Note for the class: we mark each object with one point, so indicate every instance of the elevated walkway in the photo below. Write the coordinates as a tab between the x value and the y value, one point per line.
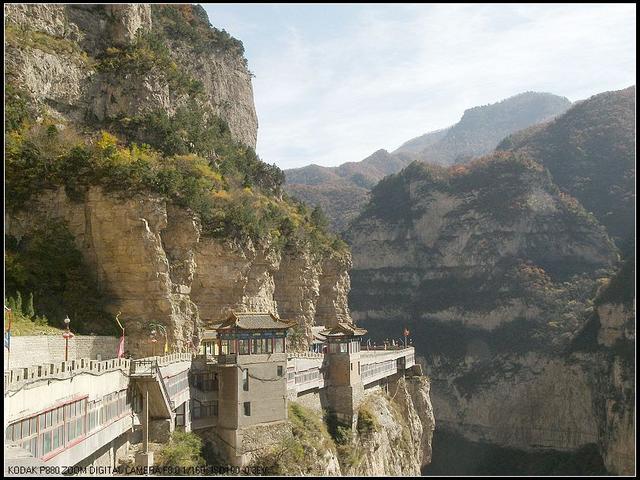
146	375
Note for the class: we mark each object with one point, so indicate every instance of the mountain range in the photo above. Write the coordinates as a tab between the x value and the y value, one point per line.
342	191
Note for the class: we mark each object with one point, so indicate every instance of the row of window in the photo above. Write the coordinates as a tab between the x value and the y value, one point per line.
103	411
256	346
349	347
204	409
206	382
56	428
307	376
376	368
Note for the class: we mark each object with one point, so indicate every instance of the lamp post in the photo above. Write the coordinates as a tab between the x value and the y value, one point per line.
67	335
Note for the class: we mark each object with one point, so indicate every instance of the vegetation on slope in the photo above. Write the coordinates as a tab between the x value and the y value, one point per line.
187	156
190	23
590	153
302	452
46	268
24	320
495	185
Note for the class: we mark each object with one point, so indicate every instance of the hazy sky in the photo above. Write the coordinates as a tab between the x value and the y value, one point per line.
334	83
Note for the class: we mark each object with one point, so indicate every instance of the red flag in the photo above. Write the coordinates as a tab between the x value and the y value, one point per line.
121	347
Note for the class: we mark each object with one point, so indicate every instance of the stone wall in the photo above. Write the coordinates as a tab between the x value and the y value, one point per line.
36	350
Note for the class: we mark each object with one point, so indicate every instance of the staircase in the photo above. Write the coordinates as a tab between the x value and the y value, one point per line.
146	374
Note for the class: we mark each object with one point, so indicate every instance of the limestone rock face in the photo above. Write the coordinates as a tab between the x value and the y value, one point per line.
610	371
151	260
334	290
614	324
492	269
127	20
61	70
401	443
541	402
419	390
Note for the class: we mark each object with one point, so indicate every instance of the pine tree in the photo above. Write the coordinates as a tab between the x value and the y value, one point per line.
18	303
30	311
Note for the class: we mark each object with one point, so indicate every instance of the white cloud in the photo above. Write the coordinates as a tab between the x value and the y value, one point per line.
389	73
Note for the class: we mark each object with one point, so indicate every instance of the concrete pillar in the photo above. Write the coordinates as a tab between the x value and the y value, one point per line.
145	458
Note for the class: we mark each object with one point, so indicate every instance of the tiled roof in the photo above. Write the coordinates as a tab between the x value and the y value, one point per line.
317	333
209	334
344	329
254	321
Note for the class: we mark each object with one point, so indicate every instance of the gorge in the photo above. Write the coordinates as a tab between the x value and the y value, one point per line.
504	244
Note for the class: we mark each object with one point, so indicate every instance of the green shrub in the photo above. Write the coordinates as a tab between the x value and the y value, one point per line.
148	54
183	450
367	422
18	109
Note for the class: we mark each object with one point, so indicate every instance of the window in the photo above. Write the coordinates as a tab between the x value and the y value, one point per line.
204	410
247	409
228	346
245	380
343	348
262	345
278	345
280	370
243	346
179	422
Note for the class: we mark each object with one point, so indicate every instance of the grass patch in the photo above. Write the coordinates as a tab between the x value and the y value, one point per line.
22	325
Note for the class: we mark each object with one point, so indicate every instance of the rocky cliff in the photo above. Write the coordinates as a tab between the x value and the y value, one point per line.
494	267
392	437
605	351
154	265
62	56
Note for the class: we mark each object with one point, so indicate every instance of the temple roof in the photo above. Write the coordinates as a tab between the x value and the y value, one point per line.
344	329
254	321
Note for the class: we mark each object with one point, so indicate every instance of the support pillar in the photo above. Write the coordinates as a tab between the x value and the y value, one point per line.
145	458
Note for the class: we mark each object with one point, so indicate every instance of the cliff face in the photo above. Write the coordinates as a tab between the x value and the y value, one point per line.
590	152
605	351
494	268
481	246
153	264
57	54
393	436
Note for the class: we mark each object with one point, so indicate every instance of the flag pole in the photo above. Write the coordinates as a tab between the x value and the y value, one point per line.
8	336
120	352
